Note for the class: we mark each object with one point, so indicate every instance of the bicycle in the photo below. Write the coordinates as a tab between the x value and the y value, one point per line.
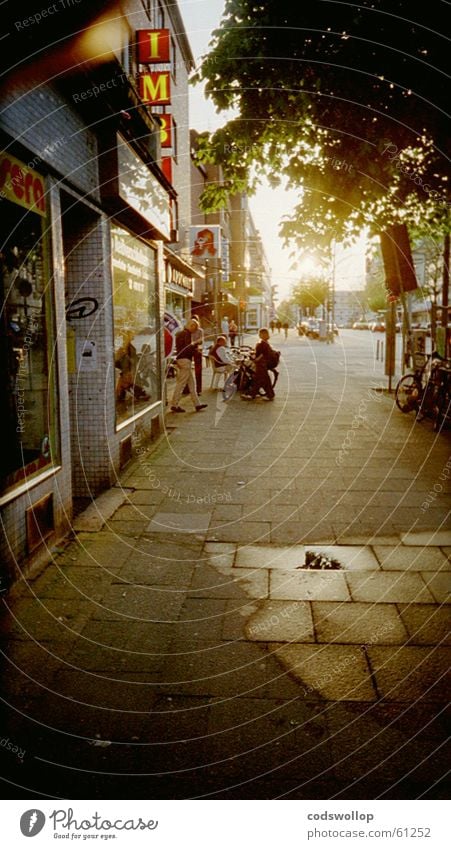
427	391
242	377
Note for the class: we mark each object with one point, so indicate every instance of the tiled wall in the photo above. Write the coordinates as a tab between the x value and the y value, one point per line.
53	133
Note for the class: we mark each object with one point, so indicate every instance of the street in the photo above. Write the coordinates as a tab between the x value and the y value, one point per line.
172	647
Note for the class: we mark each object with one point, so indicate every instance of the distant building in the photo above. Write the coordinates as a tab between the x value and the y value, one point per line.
347	307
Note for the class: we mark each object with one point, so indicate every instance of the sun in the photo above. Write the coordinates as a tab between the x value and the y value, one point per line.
307	265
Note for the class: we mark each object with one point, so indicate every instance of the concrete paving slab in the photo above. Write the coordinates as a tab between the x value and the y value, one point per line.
351	557
102	508
363	624
411	558
269	557
208	582
411	672
423	538
184	523
333	672
345	538
241	532
153	604
281	622
428	624
308	586
388	587
235	618
439	585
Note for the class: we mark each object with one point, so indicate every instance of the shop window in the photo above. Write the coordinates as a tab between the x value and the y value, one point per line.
136	324
27	341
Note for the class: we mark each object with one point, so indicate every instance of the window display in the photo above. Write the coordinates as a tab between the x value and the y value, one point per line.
136	345
27	380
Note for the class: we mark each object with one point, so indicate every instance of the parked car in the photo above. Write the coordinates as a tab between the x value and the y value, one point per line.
312	330
377	326
332	328
360	325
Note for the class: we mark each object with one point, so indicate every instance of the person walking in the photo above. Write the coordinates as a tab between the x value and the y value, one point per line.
272	325
184	376
225	327
278	325
285	328
233	330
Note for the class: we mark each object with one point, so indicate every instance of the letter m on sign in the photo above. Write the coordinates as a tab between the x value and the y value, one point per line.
153	46
155	88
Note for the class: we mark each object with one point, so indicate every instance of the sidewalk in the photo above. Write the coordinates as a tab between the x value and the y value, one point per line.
174	648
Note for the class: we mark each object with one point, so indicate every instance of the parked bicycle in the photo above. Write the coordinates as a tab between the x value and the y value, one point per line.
427	391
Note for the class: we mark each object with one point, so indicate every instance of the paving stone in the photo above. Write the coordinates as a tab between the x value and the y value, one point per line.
200	619
119	700
439	585
411	558
228	669
297	533
269	557
411	672
150	638
155	574
247	532
351	558
381	744
358	623
334	672
281	622
153	604
426	623
238	584
343	538
104	506
187	523
388	587
425	538
308	586
235	618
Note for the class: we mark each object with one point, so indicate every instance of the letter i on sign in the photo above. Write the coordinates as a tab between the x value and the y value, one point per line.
153	46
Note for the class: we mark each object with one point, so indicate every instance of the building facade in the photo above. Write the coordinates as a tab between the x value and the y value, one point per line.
89	238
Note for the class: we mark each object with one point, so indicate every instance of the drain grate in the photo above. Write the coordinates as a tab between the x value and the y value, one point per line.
319	560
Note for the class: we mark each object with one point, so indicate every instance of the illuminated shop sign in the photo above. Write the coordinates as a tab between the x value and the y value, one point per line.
154	46
155	88
166	130
154	84
21	184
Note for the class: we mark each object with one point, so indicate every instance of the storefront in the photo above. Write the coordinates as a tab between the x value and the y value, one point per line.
136	324
180	278
27	375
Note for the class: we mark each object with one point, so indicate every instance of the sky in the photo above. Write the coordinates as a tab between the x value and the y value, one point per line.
268	205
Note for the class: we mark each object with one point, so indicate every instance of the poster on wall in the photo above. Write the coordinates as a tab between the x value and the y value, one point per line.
205	242
171	326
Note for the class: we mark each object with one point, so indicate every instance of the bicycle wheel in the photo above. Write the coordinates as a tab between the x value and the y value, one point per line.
443	411
408	393
230	387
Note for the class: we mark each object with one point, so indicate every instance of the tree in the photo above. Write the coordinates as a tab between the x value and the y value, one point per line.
310	293
345	102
